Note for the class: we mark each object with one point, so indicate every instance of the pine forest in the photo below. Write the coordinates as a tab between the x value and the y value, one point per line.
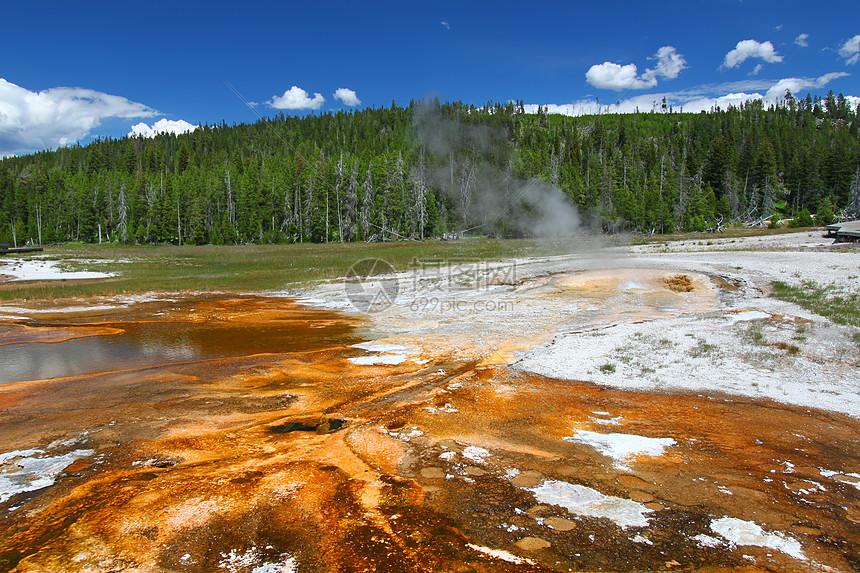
434	169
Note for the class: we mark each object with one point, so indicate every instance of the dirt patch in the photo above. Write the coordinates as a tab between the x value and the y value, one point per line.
726	283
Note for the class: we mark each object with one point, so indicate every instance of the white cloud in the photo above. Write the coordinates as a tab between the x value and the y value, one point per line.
778	90
612	76
31	121
702	98
297	98
347	96
646	103
800	40
163	125
757	70
850	50
669	62
446	24
723	102
822	81
787	84
726	87
746	49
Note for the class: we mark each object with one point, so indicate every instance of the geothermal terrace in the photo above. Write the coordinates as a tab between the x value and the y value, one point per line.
621	409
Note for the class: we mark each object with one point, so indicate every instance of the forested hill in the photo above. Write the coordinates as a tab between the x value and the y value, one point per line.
430	169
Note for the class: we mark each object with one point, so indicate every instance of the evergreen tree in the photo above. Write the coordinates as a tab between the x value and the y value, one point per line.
376	173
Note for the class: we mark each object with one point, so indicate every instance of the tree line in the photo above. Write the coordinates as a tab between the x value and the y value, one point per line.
430	169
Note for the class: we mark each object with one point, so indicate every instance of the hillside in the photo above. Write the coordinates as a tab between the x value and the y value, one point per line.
430	169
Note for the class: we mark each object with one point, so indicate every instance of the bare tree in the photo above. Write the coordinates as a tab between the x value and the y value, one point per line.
730	192
854	197
419	183
466	180
337	185
288	211
350	204
367	203
231	208
122	215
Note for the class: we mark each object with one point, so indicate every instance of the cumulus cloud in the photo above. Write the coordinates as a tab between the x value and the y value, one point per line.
176	127
757	70
297	98
612	76
746	49
800	40
669	63
850	50
347	96
32	121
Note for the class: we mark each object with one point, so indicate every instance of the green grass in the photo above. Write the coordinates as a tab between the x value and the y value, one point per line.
755	335
249	268
790	348
607	368
839	306
701	349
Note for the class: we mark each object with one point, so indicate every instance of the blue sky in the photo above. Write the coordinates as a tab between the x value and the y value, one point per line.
165	63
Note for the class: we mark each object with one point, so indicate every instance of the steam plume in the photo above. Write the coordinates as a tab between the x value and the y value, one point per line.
478	173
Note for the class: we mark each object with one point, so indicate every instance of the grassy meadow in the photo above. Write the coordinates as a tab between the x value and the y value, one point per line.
250	268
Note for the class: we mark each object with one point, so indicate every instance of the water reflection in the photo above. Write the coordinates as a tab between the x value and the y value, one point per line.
200	333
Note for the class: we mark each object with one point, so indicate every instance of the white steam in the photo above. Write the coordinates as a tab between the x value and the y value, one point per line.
477	174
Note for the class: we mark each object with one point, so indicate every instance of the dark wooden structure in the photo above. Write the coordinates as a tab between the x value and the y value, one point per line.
847	232
5	249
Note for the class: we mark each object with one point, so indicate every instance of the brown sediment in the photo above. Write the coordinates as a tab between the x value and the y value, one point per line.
257	458
730	284
14	333
678	283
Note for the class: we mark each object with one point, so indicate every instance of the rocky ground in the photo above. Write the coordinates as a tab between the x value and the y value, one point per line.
688	323
616	409
613	317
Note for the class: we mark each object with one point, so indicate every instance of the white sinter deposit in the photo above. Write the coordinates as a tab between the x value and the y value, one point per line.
30	470
623	448
588	502
39	269
608	316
